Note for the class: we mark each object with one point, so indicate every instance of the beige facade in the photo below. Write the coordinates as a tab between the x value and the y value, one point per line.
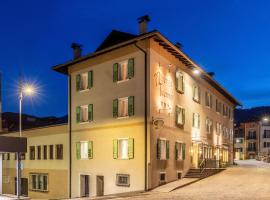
161	150
54	168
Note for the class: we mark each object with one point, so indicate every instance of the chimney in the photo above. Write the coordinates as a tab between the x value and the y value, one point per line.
77	50
178	45
143	21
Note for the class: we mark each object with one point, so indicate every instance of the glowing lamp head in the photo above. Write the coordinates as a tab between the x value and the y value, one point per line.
265	119
196	72
28	90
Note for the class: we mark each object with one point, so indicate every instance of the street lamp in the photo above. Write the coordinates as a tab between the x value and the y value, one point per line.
25	90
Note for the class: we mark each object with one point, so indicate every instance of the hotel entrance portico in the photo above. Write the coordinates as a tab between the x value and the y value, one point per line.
200	151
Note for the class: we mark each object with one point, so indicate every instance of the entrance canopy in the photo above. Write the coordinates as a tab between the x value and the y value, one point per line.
13	144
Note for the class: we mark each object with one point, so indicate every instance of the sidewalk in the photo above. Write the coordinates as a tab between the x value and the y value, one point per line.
175	185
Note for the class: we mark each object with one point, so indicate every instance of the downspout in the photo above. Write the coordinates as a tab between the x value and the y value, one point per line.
70	143
145	115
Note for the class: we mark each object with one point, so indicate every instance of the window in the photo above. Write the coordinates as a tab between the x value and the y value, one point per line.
180	87
196	120
123	148
209	125
180	151
51	152
266	134
208	99
218	128
32	153
123	180
84	81
179	175
39	182
218	106
180	116
163	147
39	152
123	107
84	150
84	113
8	156
196	93
22	156
59	152
45	152
162	176
266	144
123	70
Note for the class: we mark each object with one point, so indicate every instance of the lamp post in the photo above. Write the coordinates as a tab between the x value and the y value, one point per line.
27	90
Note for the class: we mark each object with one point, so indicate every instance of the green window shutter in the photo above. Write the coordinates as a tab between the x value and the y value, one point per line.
130	148
90	149
78	150
130	67
199	94
193	120
78	114
90	112
90	79
206	98
183	115
176	151
176	114
131	105
115	72
78	82
183	151
199	121
158	149
176	81
115	108
115	149
211	101
167	149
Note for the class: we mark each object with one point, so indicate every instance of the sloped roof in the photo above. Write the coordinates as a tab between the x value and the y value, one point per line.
115	37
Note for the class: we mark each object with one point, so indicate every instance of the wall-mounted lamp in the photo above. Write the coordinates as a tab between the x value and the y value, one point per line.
196	71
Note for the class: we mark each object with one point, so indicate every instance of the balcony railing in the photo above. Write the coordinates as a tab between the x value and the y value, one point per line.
251	137
251	149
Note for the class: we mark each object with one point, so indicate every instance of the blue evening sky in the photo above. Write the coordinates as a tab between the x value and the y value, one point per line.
229	37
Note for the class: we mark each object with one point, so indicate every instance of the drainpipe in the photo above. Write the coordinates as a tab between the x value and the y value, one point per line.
70	143
145	115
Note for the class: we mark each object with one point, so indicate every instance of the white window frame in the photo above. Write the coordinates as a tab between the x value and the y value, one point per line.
120	155
120	66
120	101
180	79
123	184
84	108
84	86
84	147
182	114
209	99
196	93
180	150
209	125
196	120
163	150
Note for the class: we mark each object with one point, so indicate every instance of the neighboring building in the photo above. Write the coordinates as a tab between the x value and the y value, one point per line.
142	113
252	131
45	166
239	142
265	138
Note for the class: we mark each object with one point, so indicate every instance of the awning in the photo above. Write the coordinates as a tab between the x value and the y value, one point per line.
13	144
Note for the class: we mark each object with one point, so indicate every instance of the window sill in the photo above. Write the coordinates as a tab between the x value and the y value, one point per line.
195	100
84	90
125	117
41	191
84	122
180	126
180	91
122	81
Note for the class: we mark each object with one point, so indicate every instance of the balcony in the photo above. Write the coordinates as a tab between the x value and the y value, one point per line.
251	149
251	137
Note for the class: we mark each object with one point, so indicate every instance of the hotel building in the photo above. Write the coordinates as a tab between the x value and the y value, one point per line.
142	113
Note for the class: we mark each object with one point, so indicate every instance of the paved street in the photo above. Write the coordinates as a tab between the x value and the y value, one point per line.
247	181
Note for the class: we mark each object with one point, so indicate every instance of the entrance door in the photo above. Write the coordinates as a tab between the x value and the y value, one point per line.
195	155
100	185
85	185
24	186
